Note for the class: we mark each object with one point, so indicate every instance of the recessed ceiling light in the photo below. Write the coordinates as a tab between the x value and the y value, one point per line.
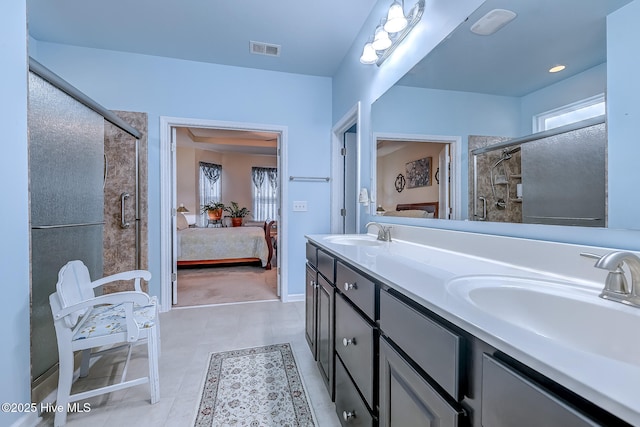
492	22
557	68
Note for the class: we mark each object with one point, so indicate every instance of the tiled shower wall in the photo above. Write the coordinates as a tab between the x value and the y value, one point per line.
119	243
511	168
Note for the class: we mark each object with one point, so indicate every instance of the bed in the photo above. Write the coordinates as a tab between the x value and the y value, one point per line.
225	245
415	210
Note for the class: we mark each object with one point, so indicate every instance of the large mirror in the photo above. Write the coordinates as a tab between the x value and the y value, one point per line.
475	91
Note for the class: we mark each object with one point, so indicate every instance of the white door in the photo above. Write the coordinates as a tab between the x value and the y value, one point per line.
443	187
174	228
350	192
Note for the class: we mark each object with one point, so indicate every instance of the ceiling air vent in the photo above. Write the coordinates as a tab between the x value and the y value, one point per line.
260	48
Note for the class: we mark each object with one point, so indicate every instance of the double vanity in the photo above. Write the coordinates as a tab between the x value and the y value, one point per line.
438	327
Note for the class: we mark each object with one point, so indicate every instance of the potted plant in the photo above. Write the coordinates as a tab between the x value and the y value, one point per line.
236	213
213	210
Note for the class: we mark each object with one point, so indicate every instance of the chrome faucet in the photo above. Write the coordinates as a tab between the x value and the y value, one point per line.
384	233
615	287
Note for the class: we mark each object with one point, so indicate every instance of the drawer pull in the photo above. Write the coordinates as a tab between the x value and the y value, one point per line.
347	341
348	415
348	286
312	284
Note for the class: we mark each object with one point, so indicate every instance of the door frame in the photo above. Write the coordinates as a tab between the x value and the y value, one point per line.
168	204
352	117
455	145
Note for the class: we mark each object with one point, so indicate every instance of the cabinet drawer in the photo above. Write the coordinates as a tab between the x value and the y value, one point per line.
350	408
436	349
407	399
510	399
360	290
326	265
312	255
354	345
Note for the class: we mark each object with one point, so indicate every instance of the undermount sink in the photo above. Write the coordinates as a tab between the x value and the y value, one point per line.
567	314
355	240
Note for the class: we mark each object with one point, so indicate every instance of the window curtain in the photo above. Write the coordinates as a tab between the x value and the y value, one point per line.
209	187
265	193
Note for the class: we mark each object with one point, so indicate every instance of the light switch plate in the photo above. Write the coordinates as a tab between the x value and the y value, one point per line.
300	206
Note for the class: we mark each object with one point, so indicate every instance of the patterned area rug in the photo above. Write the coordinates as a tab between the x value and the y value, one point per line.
258	386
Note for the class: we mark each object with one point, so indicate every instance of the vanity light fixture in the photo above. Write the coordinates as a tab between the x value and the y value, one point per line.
389	34
381	40
396	21
369	55
557	68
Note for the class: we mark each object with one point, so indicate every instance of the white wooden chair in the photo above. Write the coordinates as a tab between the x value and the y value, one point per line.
84	322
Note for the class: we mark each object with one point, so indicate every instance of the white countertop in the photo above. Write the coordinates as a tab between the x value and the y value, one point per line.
423	272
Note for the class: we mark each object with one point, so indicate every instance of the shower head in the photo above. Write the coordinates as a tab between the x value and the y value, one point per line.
506	154
509	152
514	150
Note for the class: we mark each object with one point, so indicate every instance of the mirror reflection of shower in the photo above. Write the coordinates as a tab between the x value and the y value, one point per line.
499	175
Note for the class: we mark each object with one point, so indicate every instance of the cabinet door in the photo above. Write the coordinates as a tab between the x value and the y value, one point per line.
406	399
310	309
325	331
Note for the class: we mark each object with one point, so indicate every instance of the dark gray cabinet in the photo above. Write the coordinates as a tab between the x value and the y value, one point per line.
357	288
351	409
407	399
511	399
355	347
319	312
388	361
311	296
429	394
325	331
434	347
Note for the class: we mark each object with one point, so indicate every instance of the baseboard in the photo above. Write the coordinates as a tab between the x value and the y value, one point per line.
294	298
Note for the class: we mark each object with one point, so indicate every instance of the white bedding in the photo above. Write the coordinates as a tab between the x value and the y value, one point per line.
200	244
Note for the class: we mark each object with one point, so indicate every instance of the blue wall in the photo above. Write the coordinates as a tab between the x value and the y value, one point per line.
177	88
589	83
14	227
623	116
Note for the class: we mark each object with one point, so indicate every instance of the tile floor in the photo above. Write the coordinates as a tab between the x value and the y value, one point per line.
189	335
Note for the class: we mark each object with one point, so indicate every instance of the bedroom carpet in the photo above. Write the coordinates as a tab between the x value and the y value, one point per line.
223	285
257	386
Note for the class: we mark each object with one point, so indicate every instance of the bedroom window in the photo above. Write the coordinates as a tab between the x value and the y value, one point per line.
265	193
209	187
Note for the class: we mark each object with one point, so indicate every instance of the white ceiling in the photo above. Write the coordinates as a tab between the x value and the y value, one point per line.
314	35
515	60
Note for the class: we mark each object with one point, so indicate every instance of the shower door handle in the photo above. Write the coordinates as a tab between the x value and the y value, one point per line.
123	204
484	209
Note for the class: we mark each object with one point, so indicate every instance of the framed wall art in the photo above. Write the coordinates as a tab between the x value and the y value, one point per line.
419	173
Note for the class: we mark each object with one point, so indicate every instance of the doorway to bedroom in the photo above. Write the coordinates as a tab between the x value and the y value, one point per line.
213	261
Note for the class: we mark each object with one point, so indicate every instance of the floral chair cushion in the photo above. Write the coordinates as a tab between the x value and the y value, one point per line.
111	319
